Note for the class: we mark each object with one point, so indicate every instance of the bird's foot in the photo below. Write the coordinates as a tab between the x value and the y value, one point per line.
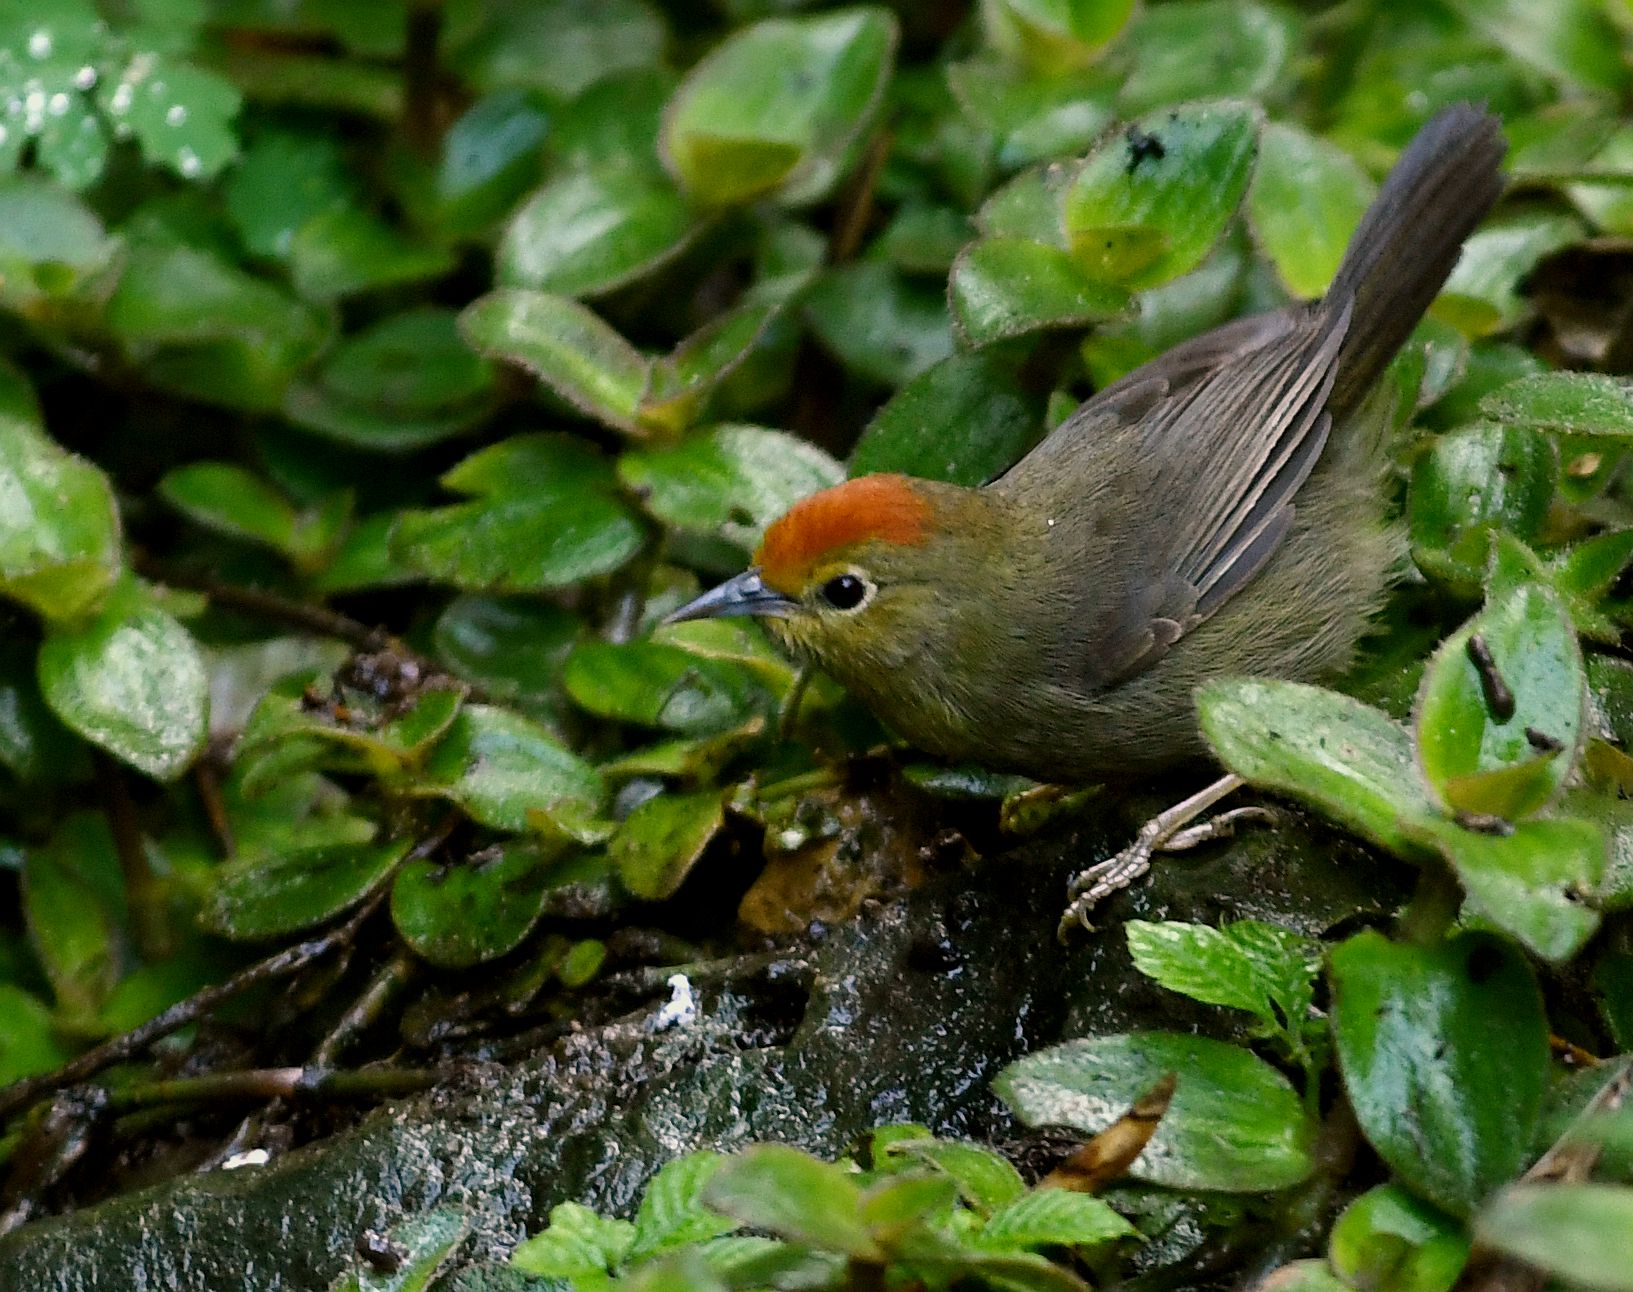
1174	830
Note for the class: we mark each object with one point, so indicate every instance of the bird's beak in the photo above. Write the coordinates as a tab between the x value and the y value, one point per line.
746	594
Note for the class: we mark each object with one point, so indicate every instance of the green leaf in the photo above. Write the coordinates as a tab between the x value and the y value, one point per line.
131	681
1350	761
1307	199
576	1244
880	323
566	346
774	107
1053	1217
1235	1124
34	745
180	115
792	1195
1149	205
513	648
672	1213
1444	1052
1510	760
1582	403
964	420
659	685
1532	882
679	383
1470	484
28	1043
1053	36
1262	968
1572	41
1202	48
562	46
205	329
50	242
286	892
72	931
347	251
732	481
659	842
501	768
284	179
1005	287
1575	1232
587	232
1386	1238
490	156
457	916
231	500
60	549
986	1179
1034	117
1483	294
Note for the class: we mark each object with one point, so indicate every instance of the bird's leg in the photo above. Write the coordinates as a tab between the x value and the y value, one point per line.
1168	831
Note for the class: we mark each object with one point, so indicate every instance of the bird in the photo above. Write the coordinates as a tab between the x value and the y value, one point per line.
1219	511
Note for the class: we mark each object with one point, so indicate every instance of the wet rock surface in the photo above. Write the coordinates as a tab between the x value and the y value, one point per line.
905	1013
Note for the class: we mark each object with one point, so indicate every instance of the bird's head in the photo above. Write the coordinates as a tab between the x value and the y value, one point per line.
849	576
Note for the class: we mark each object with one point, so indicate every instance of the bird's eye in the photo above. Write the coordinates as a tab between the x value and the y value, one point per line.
845	591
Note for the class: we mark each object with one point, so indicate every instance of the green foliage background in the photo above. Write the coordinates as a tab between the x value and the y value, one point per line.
375	376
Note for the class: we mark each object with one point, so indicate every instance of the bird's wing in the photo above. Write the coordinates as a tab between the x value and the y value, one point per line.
1216	436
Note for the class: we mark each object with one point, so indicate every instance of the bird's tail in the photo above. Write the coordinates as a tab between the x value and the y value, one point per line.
1409	239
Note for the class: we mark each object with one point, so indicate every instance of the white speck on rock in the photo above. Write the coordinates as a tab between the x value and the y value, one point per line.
681	1008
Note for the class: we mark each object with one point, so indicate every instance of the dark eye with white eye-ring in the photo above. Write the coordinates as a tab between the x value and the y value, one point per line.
845	591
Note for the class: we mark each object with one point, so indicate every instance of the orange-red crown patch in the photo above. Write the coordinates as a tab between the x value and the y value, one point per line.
885	507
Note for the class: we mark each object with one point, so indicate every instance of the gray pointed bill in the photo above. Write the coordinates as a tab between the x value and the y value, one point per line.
747	594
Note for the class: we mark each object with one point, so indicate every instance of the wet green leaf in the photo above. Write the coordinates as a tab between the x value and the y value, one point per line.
511	647
285	892
1500	740
60	548
1150	204
1089	1084
1469	484
1307	199
659	842
72	930
658	685
130	680
567	347
232	500
490	156
964	420
1352	762
1581	403
1569	40
285	179
732	481
1387	1238
499	767
1004	287
181	115
1262	968
1035	117
1444	1051
774	106
588	231
456	916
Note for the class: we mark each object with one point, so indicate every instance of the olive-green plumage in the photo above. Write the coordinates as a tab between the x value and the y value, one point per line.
1218	511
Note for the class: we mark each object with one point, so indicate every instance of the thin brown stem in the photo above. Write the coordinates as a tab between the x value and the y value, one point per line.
422	77
142	889
257	1084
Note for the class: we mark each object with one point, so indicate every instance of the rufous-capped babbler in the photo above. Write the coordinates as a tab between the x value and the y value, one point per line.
1218	511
